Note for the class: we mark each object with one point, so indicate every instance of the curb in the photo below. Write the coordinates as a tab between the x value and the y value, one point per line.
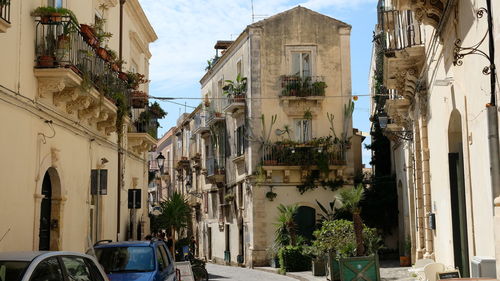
291	275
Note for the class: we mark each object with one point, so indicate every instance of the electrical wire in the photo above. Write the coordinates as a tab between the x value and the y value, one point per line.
169	99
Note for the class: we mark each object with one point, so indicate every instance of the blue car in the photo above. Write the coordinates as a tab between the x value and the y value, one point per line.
136	261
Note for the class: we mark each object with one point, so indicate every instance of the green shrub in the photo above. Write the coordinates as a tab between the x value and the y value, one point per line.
291	259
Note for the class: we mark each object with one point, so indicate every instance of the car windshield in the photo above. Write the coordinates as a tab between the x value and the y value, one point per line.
126	259
12	270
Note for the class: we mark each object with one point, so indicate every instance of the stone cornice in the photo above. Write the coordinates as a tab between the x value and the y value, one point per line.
134	9
143	47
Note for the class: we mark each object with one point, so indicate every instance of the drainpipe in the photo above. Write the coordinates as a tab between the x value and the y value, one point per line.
120	137
419	193
492	112
429	239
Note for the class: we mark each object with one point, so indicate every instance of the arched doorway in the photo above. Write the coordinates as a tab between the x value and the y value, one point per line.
50	211
306	221
457	193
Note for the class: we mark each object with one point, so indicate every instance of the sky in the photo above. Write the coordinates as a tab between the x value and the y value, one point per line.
187	32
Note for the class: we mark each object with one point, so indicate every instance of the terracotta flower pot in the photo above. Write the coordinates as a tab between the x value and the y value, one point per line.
88	34
52	18
123	76
115	67
45	61
102	53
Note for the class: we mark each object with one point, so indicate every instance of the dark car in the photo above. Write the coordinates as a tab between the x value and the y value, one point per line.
53	266
136	261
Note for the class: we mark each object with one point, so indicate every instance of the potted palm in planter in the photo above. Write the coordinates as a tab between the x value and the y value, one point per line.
317	259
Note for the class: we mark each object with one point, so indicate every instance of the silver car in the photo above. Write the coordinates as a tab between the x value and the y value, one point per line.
49	266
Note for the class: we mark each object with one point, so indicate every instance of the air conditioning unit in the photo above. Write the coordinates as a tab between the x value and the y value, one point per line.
483	267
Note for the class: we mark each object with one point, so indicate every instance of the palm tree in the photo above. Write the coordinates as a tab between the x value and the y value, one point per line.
350	199
286	226
175	215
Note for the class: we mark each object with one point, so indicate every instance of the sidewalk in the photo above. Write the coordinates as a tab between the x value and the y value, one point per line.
389	271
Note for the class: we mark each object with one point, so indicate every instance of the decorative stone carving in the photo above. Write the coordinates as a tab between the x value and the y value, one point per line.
49	85
65	95
110	121
429	11
286	176
54	154
103	115
92	111
81	102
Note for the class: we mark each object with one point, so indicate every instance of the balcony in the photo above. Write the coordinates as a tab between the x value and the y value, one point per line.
429	12
215	171
234	103
214	117
4	16
298	93
73	79
143	129
397	108
200	126
283	154
404	50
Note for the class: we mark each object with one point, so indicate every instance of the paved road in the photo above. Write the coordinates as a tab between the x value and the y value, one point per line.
226	273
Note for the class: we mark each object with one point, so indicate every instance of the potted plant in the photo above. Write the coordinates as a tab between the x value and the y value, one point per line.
318	88
156	111
236	89
405	260
139	99
229	198
51	15
135	79
270	195
88	34
317	256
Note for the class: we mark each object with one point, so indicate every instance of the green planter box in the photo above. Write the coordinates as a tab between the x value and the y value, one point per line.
227	256
332	268
319	267
360	269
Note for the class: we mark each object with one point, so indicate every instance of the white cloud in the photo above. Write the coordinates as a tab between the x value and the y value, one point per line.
188	30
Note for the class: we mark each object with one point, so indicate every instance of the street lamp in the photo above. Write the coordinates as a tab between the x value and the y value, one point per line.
160	159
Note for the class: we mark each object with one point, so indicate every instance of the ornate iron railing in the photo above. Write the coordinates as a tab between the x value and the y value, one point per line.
401	29
61	45
296	86
5	10
303	155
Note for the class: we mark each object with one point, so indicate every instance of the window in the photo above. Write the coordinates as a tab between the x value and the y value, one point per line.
123	259
301	64
12	270
240	141
238	68
76	268
162	264
95	271
55	3
164	254
48	269
303	130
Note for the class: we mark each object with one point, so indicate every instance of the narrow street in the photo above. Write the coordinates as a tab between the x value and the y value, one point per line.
221	272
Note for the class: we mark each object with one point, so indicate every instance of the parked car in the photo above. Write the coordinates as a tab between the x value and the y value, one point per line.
49	266
136	260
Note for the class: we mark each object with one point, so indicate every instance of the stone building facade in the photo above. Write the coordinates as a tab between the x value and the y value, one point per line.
247	149
433	104
59	106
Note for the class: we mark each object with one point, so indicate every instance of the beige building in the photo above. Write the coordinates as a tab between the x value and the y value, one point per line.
283	134
430	101
60	100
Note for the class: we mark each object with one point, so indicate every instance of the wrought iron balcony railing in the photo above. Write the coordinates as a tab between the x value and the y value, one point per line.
62	45
401	29
143	122
213	116
200	124
5	10
296	86
214	167
303	155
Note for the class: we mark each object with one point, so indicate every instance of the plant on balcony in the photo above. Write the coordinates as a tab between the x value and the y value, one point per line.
156	111
211	62
318	88
139	99
270	195
88	34
229	197
52	14
236	89
135	79
98	27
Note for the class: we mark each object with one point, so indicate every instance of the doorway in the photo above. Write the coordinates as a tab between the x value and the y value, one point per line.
45	214
305	221
457	194
209	239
